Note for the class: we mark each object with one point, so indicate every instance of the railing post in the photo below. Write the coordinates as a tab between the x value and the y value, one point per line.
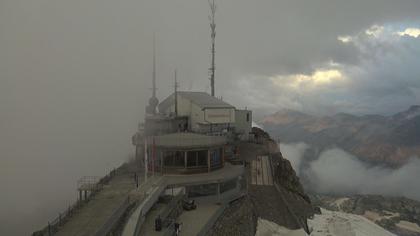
49	229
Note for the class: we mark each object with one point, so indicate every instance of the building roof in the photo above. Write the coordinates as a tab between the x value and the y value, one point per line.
201	99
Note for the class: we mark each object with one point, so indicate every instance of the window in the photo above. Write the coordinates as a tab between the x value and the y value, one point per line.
197	158
216	157
179	158
202	158
247	117
192	158
168	158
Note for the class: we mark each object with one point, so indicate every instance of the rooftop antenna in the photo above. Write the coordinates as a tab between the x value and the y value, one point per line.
154	66
176	95
153	101
213	39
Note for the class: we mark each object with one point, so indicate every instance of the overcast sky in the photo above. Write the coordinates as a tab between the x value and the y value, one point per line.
75	75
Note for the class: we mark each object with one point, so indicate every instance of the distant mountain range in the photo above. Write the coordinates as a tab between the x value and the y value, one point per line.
385	140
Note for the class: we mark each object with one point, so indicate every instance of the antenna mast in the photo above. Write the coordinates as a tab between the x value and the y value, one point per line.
153	101
154	66
213	40
176	95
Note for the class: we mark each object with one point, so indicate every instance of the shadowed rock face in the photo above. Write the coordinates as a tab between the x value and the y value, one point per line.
284	173
285	204
385	140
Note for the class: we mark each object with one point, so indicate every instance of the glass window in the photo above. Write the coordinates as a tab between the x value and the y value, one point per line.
202	158
192	158
168	158
179	158
215	157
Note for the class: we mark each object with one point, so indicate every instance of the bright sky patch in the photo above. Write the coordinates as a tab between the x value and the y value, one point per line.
412	32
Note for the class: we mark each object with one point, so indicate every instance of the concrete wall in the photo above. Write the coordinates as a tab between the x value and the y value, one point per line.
242	124
199	116
219	115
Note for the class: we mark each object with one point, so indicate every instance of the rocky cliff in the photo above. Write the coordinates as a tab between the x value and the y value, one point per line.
284	203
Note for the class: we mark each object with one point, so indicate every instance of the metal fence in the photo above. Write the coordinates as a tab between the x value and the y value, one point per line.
54	225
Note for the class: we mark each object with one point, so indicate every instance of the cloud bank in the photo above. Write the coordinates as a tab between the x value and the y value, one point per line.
338	172
372	71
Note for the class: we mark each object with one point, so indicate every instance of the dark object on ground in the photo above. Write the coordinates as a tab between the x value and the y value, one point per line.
189	205
158	224
177	227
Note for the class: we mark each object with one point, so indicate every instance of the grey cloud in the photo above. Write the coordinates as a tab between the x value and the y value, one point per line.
294	153
75	75
338	172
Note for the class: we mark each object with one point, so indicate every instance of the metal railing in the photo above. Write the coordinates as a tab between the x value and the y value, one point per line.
54	225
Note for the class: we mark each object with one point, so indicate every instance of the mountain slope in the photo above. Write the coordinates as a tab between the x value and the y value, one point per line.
385	140
398	215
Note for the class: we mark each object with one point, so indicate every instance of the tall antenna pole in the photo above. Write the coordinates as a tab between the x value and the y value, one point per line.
154	67
176	95
213	40
153	101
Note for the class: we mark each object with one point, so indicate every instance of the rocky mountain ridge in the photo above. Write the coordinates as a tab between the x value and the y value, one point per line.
385	140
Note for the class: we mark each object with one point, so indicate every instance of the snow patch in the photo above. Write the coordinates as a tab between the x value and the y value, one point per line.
268	228
413	227
334	223
340	202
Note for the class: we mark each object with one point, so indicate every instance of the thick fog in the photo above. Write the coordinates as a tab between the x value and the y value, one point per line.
75	76
294	153
338	172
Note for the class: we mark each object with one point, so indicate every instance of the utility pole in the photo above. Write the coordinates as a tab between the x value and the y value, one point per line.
213	41
146	160
176	95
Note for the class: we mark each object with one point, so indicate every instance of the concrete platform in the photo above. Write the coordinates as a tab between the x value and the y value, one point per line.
193	221
98	210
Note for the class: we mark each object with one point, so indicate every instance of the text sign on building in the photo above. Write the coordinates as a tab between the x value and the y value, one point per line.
219	116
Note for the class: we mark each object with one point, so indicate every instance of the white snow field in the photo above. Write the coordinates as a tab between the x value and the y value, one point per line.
342	224
268	228
330	223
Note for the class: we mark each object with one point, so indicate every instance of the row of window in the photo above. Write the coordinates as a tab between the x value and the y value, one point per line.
177	158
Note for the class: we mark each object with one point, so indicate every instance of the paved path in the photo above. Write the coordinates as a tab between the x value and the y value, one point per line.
98	210
193	221
148	227
147	195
